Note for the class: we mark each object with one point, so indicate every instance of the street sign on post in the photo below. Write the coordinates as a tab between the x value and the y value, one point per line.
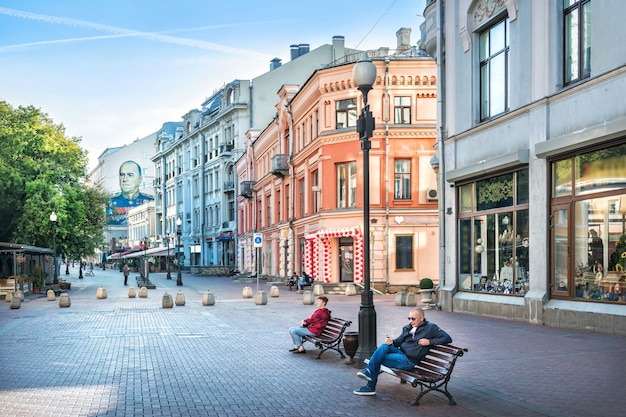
258	240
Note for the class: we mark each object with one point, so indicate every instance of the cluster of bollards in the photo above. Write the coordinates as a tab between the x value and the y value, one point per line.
308	296
208	298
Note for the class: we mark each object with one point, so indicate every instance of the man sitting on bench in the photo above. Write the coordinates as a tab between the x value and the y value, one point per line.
404	351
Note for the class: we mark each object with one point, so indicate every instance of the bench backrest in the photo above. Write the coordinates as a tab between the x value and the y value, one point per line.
440	361
10	282
334	329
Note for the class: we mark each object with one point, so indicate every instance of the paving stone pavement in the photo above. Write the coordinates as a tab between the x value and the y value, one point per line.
124	356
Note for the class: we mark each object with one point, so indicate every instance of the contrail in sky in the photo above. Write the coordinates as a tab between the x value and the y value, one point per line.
117	32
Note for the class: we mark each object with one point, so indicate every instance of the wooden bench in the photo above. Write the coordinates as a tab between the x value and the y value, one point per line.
331	336
432	373
7	287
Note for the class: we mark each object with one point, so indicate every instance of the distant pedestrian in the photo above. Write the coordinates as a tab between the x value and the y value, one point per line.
125	269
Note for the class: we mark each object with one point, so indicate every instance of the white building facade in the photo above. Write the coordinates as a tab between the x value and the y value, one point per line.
531	159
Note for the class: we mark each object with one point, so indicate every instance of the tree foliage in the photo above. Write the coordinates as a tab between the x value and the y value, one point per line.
43	171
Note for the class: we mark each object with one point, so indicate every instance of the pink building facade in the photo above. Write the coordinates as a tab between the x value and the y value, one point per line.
301	178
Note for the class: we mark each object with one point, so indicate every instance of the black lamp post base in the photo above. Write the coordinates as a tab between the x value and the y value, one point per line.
367	329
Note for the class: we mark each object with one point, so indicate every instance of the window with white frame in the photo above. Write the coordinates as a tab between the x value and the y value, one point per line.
346	185
576	40
402	179
402	110
494	70
346	113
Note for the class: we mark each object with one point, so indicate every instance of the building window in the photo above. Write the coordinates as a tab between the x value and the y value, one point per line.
402	179
346	185
346	113
588	231
301	197
576	40
316	191
494	235
494	70
402	110
404	252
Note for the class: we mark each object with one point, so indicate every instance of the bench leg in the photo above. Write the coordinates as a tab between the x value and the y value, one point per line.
428	389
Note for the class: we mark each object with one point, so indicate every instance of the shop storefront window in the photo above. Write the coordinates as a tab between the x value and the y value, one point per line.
493	249
590	220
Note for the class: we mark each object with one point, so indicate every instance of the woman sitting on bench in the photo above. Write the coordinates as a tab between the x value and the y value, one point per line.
313	326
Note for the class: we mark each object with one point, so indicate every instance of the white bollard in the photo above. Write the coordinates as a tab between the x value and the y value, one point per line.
167	301
101	293
411	299
274	291
16	302
180	299
132	293
208	299
143	292
350	289
247	292
51	296
64	300
308	298
318	289
260	298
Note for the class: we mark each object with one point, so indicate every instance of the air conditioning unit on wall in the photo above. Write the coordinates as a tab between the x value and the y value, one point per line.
431	194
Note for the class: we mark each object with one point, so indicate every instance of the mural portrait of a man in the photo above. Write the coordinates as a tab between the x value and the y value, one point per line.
130	178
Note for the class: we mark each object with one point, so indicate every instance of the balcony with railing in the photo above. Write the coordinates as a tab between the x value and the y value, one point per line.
245	188
280	165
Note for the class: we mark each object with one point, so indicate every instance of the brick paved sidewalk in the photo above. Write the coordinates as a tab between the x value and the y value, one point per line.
124	357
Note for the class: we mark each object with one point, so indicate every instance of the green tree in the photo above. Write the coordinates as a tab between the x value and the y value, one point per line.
45	171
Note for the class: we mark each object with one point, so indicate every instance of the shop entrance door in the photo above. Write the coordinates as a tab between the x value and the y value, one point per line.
346	259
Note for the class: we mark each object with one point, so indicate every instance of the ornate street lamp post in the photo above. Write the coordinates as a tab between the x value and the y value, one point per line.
167	256
364	75
179	278
53	220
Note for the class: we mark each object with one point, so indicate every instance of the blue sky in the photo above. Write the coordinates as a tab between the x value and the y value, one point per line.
113	71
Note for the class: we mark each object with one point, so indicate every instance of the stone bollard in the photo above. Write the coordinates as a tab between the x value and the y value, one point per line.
167	301
318	289
260	298
51	296
400	298
101	293
64	300
350	289
9	297
247	292
180	299
16	302
19	294
132	293
143	292
411	299
208	299
308	298
274	291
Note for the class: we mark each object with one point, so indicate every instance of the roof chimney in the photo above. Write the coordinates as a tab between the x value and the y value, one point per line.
275	63
404	39
295	51
339	50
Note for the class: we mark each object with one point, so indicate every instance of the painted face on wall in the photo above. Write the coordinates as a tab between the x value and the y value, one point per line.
130	179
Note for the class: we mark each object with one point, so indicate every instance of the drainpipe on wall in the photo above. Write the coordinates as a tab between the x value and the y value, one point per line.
441	133
386	119
203	250
293	182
